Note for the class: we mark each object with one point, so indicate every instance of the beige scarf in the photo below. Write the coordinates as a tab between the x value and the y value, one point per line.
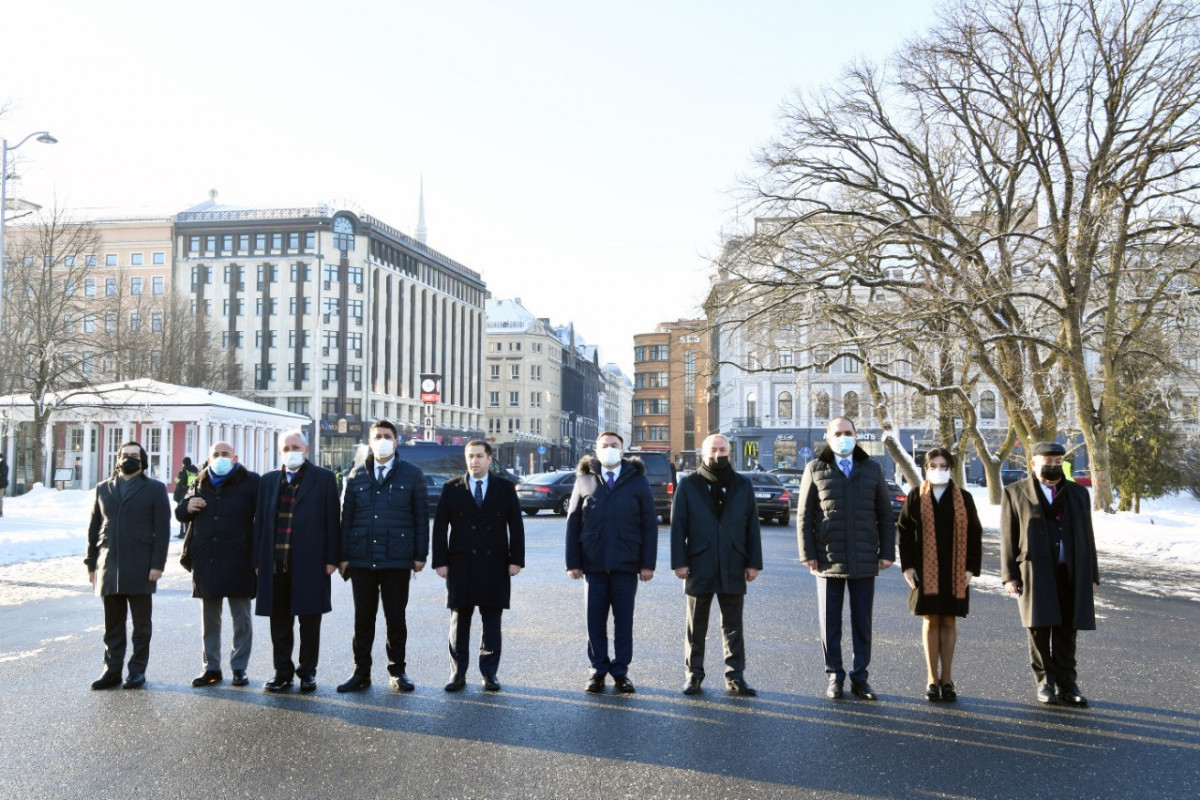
929	561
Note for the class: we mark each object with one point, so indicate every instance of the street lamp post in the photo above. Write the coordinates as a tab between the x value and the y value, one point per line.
45	138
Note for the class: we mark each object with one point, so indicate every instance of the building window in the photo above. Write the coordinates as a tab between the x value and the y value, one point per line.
516	372
494	399
987	405
110	260
650	380
494	372
849	364
158	259
302	370
297	405
158	285
785	358
89	323
535	399
110	287
784	405
535	372
156	325
850	405
821	406
110	322
354	276
514	399
135	286
89	287
135	259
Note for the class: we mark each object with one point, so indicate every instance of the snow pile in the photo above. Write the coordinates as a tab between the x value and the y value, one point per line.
44	523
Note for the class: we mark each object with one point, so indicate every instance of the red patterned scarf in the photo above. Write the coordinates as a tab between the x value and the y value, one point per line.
929	562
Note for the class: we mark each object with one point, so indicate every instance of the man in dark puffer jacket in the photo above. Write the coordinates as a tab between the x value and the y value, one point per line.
612	540
385	539
847	535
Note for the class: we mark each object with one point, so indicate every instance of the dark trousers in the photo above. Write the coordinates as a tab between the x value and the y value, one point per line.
831	593
139	607
489	642
698	608
613	591
1052	648
369	586
283	624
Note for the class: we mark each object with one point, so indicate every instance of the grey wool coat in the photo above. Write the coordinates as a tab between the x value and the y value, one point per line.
716	550
1026	554
128	536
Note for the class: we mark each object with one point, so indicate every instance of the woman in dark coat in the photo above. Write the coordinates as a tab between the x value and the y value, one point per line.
941	550
126	555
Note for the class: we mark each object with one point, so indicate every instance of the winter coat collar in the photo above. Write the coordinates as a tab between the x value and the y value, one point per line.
828	456
590	465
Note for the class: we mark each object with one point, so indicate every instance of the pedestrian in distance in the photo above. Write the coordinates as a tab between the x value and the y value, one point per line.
3	481
385	523
297	547
941	550
716	549
847	536
478	548
1048	561
612	541
183	482
126	554
218	512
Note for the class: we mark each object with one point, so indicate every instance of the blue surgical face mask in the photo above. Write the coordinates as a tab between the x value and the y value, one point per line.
221	465
843	445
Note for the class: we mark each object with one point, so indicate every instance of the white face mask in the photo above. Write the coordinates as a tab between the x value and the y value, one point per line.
221	465
383	448
293	459
843	445
609	456
938	477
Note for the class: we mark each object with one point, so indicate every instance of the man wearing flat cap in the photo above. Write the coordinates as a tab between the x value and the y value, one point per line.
1048	560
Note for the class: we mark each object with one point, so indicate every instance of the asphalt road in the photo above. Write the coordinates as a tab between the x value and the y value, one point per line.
542	737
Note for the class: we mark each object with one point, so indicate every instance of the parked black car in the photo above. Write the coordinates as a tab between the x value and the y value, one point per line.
898	496
773	498
661	475
434	482
1008	476
546	490
790	478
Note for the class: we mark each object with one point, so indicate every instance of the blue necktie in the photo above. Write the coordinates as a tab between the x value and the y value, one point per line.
846	466
479	493
610	480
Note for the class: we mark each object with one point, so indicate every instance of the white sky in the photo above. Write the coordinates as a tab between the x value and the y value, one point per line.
579	156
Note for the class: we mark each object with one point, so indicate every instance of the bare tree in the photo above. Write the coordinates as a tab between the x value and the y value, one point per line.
1021	178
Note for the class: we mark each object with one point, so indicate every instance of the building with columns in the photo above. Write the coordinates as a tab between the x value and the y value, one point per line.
169	421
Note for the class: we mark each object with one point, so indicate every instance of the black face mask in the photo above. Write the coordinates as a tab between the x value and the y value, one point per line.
1051	472
128	466
718	463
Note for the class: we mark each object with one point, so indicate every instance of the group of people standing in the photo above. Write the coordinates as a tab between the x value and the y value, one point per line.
278	539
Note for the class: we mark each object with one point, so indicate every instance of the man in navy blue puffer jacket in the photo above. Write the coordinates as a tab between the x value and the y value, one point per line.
612	540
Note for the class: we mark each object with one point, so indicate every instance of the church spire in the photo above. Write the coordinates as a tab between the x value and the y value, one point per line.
422	232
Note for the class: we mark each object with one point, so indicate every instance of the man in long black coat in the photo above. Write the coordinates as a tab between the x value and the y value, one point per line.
126	555
1048	560
297	546
478	548
218	512
716	548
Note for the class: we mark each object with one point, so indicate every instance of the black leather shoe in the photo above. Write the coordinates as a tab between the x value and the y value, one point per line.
278	684
490	684
692	685
456	683
862	690
1072	696
595	684
239	677
209	677
308	685
1046	695
948	693
401	683
624	685
357	682
135	680
107	681
933	693
739	686
834	690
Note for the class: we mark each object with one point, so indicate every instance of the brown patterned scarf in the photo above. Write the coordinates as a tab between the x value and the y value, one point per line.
929	562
